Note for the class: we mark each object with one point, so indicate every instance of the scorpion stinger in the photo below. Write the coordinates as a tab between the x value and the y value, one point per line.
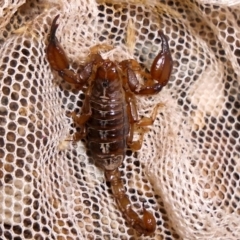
109	113
147	224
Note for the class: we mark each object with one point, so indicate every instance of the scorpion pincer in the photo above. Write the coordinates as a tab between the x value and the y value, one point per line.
109	112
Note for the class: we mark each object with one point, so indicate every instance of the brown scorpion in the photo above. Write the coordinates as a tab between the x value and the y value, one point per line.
109	112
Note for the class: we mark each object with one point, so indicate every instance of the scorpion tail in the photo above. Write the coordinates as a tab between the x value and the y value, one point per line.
147	224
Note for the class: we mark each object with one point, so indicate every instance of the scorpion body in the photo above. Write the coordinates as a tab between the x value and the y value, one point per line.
109	113
108	126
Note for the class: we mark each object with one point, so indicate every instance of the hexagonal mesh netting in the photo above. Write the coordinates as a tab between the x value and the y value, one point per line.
187	171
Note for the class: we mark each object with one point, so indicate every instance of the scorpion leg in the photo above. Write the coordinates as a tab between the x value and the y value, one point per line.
134	119
59	61
147	121
143	123
83	118
147	224
159	74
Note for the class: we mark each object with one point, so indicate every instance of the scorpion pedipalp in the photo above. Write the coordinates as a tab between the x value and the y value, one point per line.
55	53
159	74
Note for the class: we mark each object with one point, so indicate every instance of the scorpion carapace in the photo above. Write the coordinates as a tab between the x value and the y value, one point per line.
109	113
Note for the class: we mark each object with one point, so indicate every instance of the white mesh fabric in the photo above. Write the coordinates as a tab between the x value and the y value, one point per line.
187	172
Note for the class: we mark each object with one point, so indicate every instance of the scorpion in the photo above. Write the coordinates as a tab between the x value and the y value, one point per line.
109	116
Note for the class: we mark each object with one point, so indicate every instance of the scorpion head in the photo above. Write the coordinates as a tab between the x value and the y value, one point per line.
107	70
107	82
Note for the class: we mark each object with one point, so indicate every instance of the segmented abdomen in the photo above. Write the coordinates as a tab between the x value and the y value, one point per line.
107	131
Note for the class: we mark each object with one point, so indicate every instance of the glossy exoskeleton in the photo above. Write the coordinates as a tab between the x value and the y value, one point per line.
109	112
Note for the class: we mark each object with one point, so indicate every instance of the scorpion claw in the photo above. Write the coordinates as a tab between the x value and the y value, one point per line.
162	65
159	74
55	54
53	29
